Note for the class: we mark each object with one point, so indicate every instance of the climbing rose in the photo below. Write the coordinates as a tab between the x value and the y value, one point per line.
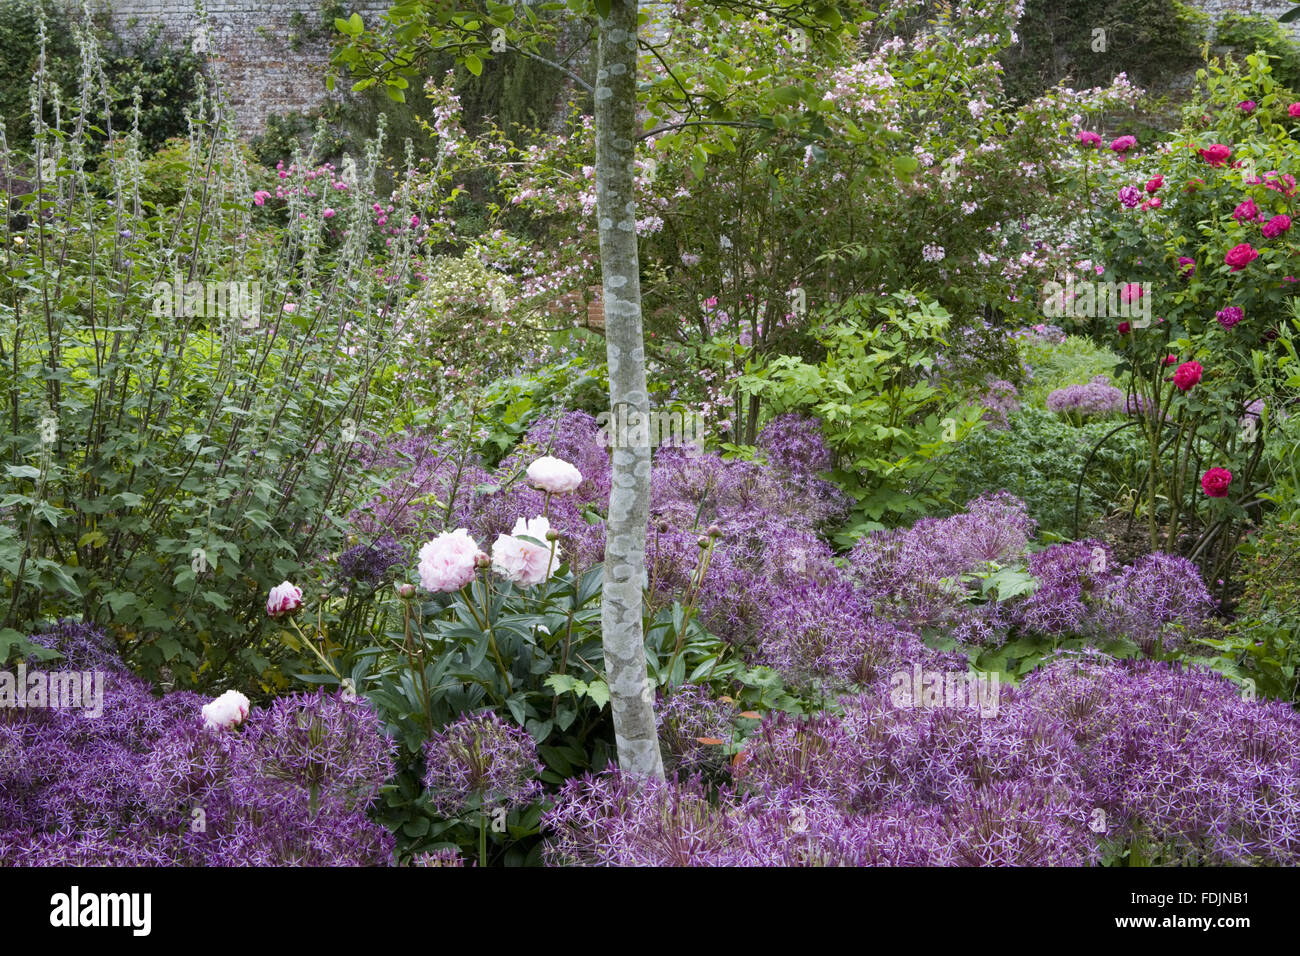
1215	155
554	475
447	563
1154	183
1123	144
1130	196
1246	106
260	197
1294	109
1215	482
523	562
1240	256
1089	138
284	599
1186	267
1122	328
1246	212
226	711
1230	316
1187	375
1276	226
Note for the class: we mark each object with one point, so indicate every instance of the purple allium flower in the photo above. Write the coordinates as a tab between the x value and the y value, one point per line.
794	443
1070	578
480	761
823	632
1156	599
695	730
367	563
1097	397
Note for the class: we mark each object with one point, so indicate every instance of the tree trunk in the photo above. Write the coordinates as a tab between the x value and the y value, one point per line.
631	696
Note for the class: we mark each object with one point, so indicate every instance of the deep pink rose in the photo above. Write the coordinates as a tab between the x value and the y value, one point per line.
1294	109
1276	226
1187	375
1246	212
1089	138
1215	482
1246	106
1215	155
1154	183
1186	267
1240	256
1122	328
1122	144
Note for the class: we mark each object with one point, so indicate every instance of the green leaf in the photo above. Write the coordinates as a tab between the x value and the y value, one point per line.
473	64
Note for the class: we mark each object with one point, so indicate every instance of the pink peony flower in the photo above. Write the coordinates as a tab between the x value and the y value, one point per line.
1240	256
284	599
1187	375
1276	226
448	562
226	711
1215	482
523	562
1215	155
554	475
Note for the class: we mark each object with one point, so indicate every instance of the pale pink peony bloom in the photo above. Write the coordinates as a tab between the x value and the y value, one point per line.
226	711
285	599
523	562
554	475
447	562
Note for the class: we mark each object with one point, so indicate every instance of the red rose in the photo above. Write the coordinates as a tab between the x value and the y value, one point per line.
1122	328
1240	256
1215	155
1154	183
1215	482
1187	375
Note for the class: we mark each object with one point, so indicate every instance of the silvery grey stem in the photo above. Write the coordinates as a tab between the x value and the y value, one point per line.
631	697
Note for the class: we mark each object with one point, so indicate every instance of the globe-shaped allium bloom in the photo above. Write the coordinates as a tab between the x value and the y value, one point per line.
1215	482
480	761
284	599
367	563
448	562
226	711
326	744
695	729
1097	397
1159	597
524	562
1187	375
448	856
554	475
